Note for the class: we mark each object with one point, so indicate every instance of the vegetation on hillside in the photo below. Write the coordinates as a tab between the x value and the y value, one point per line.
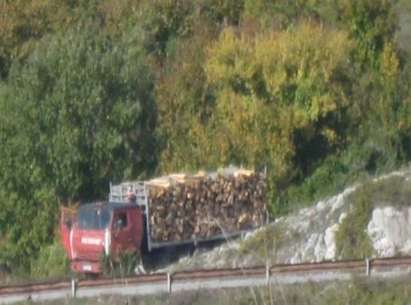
352	239
95	91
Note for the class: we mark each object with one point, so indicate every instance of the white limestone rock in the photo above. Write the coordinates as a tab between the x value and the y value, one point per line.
390	231
329	239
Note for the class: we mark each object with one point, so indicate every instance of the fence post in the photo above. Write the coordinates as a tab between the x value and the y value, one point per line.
169	280
73	288
368	266
267	274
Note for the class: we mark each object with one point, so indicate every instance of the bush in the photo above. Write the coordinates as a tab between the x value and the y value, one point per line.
352	240
264	243
51	262
123	265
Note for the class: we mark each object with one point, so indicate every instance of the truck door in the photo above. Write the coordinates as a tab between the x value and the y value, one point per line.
122	233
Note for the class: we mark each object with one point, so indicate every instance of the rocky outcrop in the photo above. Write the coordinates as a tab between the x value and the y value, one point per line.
390	231
309	234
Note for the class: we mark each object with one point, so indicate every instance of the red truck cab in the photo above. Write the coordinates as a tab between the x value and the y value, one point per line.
99	229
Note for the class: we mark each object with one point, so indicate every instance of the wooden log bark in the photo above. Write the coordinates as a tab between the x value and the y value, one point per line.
198	207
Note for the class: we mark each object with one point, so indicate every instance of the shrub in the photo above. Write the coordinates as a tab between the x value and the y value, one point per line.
123	265
265	243
351	239
51	262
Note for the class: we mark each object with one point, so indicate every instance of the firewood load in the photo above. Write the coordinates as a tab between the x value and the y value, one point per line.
202	206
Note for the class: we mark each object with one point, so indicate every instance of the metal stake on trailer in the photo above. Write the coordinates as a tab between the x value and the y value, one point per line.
147	211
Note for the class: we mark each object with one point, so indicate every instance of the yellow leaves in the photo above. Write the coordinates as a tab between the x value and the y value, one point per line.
289	57
390	64
289	67
230	58
330	135
321	105
270	86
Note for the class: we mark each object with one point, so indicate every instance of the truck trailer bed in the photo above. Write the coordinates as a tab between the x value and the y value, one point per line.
163	217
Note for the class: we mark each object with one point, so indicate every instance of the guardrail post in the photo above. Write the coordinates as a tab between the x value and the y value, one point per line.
169	280
267	274
368	266
73	288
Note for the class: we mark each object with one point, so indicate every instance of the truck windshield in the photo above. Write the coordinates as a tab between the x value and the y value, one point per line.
93	218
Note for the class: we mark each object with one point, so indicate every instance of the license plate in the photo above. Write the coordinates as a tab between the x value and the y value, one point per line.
86	267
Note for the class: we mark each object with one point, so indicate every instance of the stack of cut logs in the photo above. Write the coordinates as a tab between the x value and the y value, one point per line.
203	206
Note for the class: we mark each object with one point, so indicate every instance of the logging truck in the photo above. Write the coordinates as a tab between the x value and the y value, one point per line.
167	211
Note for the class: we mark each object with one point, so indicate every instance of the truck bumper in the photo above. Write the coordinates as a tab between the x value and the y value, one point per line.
86	267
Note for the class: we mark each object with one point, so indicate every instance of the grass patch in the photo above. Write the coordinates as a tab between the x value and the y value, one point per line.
265	243
351	239
52	262
123	265
395	191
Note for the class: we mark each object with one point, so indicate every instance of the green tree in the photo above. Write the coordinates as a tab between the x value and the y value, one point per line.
185	105
281	14
22	23
280	97
78	114
163	22
372	23
226	12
